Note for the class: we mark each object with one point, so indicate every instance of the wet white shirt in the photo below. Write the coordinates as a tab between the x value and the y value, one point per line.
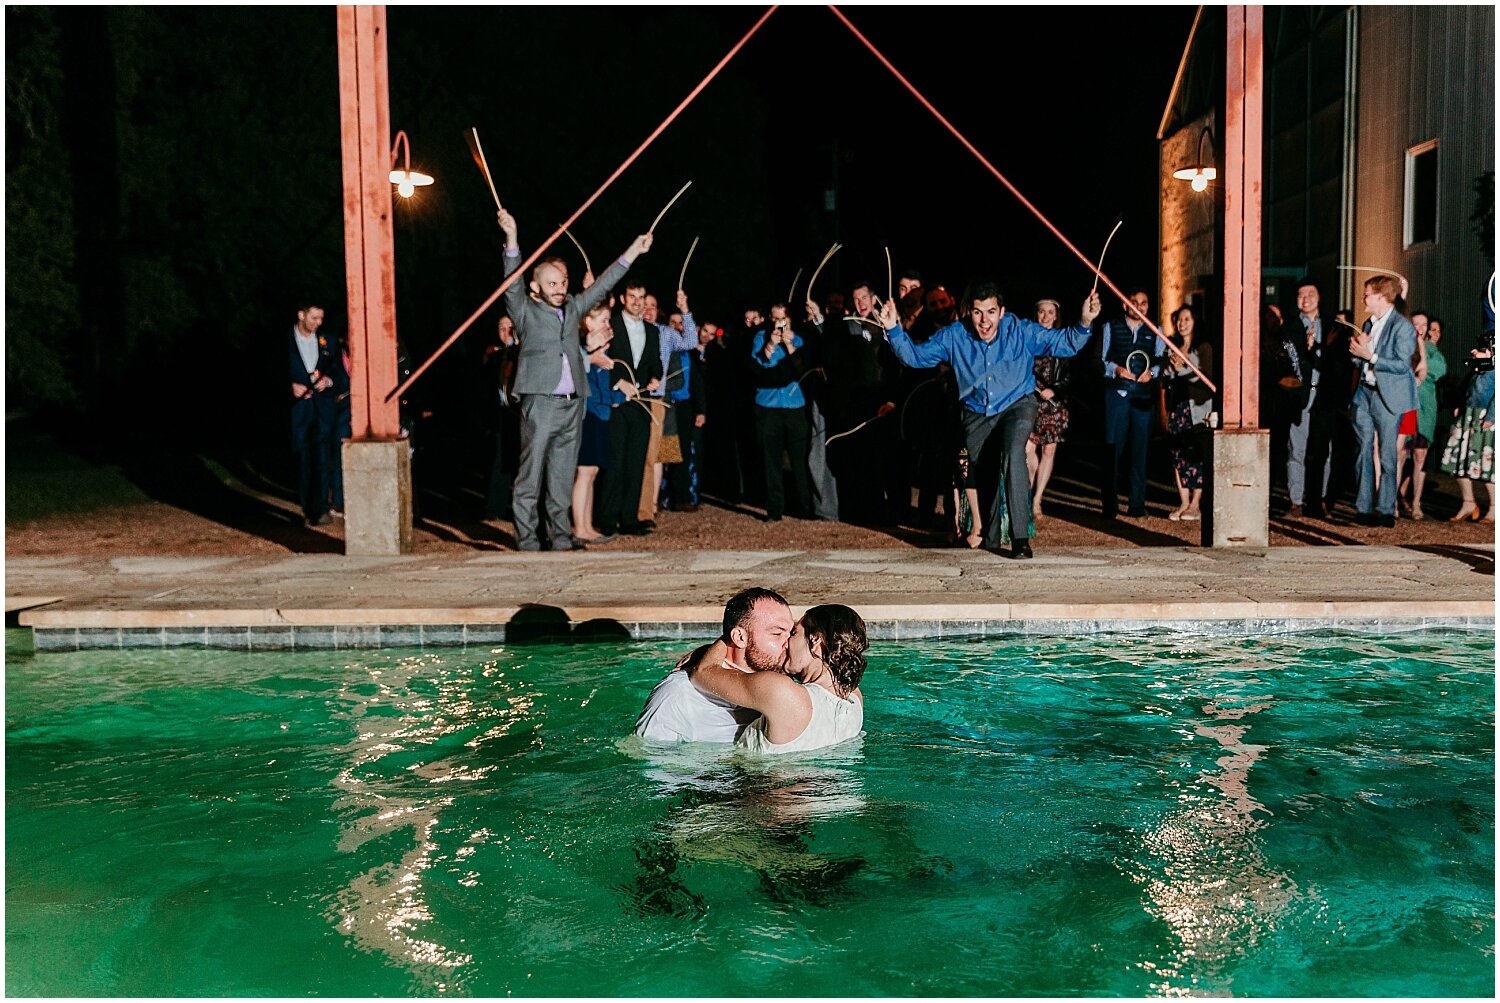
677	711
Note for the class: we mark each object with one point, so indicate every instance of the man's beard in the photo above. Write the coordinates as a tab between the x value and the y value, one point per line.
765	659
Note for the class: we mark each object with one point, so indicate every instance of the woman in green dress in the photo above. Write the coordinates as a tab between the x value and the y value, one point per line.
1436	369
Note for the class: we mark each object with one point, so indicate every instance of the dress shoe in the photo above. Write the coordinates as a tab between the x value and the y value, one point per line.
1020	549
648	523
1136	513
770	518
1313	511
1366	519
684	508
1388	521
640	529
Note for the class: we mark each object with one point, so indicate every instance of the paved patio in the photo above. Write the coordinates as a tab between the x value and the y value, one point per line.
326	600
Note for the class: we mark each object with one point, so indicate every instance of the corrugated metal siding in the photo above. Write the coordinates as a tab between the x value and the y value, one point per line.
1424	73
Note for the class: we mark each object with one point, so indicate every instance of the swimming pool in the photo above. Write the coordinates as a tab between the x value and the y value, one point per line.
1122	815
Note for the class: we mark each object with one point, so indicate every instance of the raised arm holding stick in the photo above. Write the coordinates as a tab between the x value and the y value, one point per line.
551	382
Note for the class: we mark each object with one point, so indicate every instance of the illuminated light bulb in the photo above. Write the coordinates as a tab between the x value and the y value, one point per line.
1200	183
406	188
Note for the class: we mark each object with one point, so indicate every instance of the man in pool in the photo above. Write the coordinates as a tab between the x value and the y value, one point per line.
757	628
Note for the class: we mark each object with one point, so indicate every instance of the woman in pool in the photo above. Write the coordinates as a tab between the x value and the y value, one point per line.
827	653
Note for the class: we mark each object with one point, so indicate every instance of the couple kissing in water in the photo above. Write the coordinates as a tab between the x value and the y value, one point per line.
769	683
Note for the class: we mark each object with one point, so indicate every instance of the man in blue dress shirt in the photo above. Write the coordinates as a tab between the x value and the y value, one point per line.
991	353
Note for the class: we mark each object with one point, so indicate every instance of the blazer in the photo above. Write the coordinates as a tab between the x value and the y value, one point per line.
330	364
1395	383
545	339
619	350
1330	359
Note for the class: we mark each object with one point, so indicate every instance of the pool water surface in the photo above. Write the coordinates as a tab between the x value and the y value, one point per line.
1299	815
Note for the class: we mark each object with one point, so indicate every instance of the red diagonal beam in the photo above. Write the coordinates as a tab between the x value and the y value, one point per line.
1013	189
542	248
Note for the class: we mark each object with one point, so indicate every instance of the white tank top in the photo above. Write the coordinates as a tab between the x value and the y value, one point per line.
833	721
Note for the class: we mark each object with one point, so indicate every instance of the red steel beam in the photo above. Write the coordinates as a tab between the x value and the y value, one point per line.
369	250
1243	124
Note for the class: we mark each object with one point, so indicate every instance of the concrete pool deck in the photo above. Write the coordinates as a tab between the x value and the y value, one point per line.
332	601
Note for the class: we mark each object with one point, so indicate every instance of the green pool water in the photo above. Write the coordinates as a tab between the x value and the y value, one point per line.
1300	815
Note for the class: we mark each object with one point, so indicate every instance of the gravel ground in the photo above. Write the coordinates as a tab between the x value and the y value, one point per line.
262	524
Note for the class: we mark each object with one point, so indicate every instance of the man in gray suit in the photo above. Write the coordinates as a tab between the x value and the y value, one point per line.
551	382
1387	389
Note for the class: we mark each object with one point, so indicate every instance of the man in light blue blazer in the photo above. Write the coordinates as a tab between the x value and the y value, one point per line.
1386	390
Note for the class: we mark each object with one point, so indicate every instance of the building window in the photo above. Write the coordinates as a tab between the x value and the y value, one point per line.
1422	194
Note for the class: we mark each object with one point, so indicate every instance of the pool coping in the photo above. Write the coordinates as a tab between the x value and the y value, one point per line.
344	628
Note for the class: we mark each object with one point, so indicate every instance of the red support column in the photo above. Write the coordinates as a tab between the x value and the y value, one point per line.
1243	119
1240	483
369	253
376	462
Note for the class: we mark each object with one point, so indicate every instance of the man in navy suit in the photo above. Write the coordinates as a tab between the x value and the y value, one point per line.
317	369
1386	390
636	349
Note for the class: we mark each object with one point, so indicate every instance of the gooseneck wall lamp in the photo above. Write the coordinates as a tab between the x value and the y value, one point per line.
407	180
1200	174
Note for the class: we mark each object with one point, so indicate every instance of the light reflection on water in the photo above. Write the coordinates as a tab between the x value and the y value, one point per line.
1126	816
1204	871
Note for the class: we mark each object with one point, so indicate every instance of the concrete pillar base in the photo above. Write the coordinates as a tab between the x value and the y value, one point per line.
377	499
1237	508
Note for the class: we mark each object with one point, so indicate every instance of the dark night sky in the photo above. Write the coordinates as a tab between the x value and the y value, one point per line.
1065	101
173	179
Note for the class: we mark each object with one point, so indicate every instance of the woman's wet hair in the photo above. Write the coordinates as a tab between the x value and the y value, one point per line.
842	633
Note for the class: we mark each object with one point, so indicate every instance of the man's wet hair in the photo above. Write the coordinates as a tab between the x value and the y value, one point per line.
740	609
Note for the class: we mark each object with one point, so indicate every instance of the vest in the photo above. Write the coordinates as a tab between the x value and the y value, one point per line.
1120	342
